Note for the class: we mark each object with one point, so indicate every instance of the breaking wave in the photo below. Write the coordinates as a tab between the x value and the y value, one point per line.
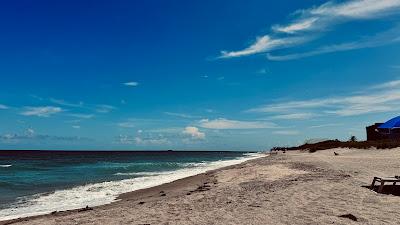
106	192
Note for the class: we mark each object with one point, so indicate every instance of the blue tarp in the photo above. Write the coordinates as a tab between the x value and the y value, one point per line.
393	123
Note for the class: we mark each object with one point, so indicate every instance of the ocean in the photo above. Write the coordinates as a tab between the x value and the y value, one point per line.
39	182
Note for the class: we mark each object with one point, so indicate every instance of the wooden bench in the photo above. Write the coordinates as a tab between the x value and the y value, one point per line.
382	181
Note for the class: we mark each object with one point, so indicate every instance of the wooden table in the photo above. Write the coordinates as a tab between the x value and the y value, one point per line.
394	180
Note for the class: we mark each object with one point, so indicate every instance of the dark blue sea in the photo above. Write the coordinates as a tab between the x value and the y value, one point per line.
37	182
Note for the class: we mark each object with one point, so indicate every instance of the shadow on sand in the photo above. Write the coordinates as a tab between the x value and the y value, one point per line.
387	189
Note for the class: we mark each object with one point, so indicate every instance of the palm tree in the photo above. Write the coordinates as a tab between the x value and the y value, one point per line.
353	138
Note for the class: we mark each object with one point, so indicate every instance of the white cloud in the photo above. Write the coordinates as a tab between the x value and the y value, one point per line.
30	132
331	13
105	108
384	38
82	116
294	116
43	111
194	132
326	125
131	84
371	101
169	130
223	123
76	126
287	132
356	9
159	141
92	108
127	124
390	84
360	109
3	106
296	26
65	103
125	139
264	44
292	105
320	19
182	115
30	136
262	71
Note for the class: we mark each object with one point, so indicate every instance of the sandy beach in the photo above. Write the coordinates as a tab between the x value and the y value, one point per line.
291	188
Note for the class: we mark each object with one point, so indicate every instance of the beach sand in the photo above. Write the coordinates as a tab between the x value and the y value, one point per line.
291	188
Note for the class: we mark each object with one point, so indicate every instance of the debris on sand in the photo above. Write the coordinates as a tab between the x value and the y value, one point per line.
87	208
349	216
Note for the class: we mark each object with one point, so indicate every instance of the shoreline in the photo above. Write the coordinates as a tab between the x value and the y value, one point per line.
172	184
285	188
138	195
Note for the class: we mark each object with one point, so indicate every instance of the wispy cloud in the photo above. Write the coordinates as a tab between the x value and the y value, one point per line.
390	84
142	141
131	84
221	78
265	44
326	125
105	108
297	26
194	133
127	124
4	106
323	17
287	107
76	127
384	38
167	130
262	71
182	115
30	135
151	141
42	111
223	123
355	9
307	24
286	132
372	100
65	103
294	116
81	116
147	122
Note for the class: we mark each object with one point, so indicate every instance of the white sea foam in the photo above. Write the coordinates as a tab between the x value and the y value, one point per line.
5	166
106	192
144	173
185	165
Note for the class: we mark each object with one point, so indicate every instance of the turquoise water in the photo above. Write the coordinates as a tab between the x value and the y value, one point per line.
35	178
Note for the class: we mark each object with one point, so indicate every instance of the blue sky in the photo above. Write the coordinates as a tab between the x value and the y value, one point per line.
205	75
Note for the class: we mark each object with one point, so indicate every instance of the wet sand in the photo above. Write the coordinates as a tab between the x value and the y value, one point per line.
292	188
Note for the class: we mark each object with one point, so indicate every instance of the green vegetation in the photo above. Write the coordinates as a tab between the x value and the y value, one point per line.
352	143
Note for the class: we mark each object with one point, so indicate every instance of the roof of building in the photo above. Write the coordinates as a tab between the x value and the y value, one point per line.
392	123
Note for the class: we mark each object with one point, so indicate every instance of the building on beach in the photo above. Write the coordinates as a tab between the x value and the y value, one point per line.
373	133
383	131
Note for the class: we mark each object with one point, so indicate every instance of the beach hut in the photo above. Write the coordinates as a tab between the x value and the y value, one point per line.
373	133
391	128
